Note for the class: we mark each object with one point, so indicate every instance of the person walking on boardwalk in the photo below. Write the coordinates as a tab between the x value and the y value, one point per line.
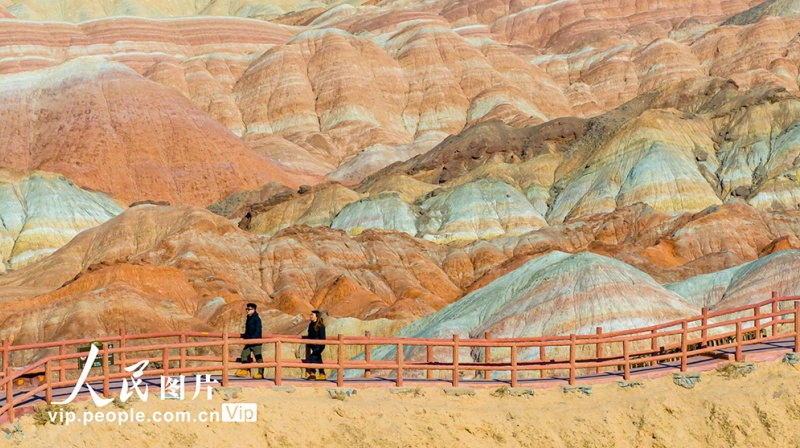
316	330
252	330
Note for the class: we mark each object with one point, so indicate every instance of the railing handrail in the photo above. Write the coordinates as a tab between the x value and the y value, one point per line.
678	329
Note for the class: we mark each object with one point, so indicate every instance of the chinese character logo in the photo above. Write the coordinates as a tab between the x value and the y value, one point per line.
171	388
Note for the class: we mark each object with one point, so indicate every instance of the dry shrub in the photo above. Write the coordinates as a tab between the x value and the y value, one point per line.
42	414
735	369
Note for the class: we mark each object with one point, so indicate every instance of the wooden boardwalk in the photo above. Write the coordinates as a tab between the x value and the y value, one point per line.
752	353
758	332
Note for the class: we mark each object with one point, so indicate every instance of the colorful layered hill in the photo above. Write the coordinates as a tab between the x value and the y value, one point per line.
517	167
685	148
208	268
342	91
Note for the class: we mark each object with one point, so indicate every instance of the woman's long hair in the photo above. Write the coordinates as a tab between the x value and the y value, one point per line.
320	322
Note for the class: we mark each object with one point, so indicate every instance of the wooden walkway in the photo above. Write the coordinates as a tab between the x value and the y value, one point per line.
752	353
762	331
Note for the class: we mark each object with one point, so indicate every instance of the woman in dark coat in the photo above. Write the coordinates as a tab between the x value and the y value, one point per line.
316	330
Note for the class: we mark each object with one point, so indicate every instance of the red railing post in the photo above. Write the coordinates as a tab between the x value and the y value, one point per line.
340	374
367	354
165	360
62	364
572	349
757	321
543	359
104	363
654	344
513	365
183	351
10	398
598	348
775	316
704	331
487	374
796	326
48	395
399	379
455	360
9	384
626	356
123	358
429	359
738	341
278	362
684	344
225	359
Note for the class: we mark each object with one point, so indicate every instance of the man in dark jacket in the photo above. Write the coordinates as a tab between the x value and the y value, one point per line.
252	330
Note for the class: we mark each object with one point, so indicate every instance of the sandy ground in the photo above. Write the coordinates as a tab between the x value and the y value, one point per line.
760	409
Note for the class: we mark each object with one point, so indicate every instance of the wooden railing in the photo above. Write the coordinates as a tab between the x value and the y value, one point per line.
705	334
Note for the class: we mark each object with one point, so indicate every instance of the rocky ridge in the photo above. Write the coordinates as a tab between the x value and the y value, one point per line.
210	268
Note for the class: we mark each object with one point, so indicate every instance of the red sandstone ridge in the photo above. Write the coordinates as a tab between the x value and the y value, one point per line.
150	256
107	128
4	14
533	23
137	42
